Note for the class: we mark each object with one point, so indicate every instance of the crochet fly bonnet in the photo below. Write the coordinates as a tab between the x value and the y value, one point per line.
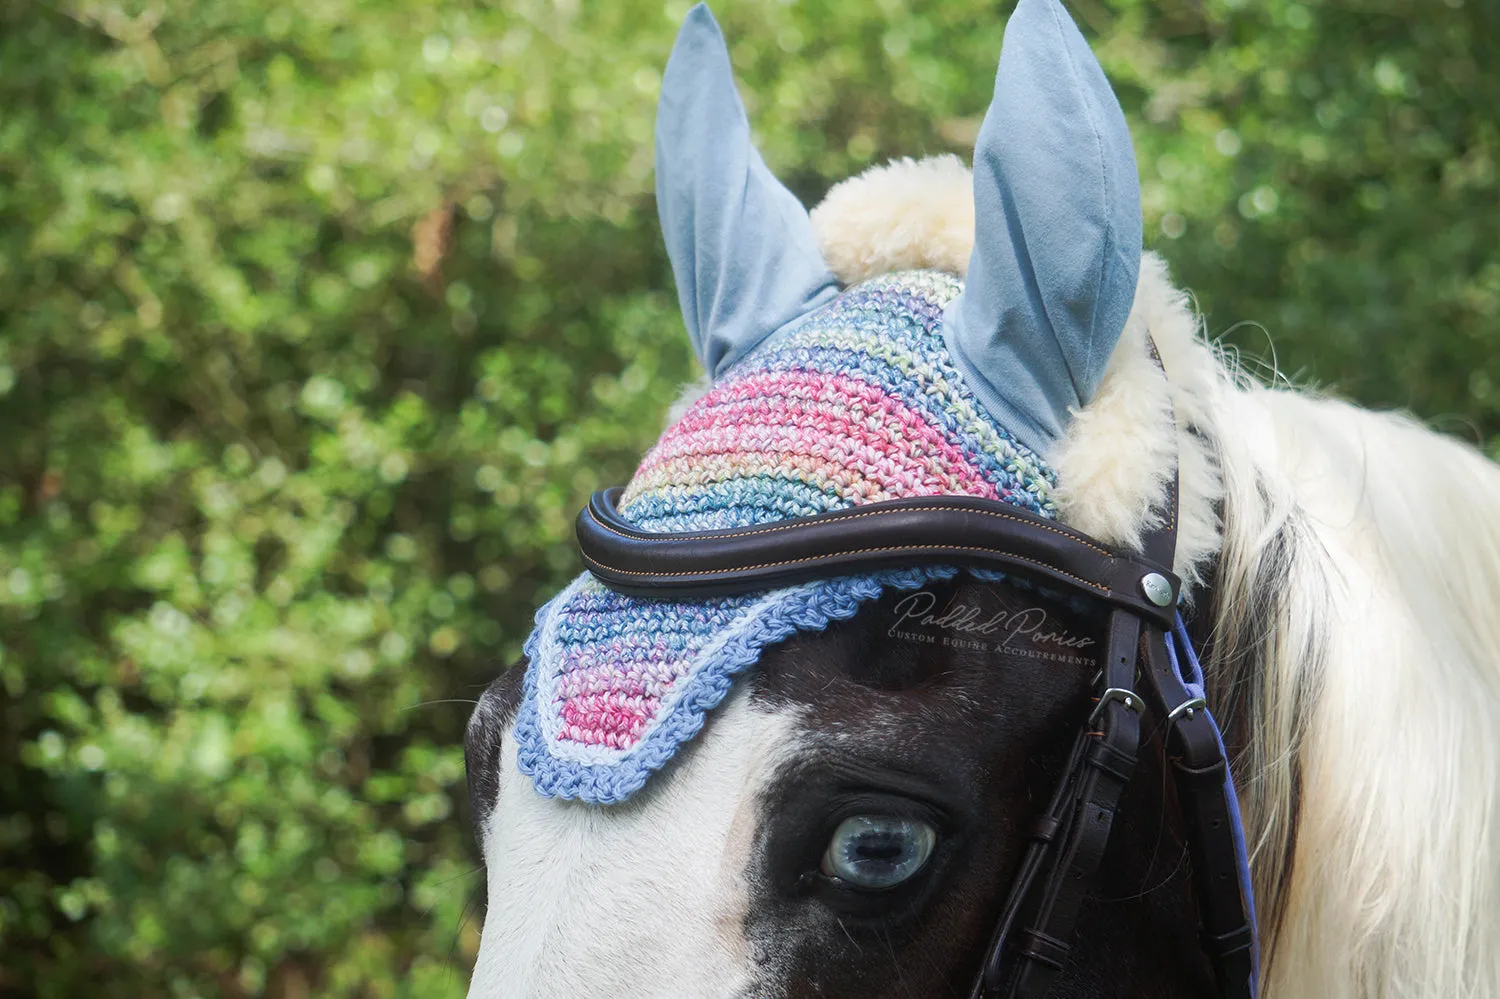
824	398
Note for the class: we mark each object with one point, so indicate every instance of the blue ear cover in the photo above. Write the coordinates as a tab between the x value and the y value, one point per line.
1057	246
741	245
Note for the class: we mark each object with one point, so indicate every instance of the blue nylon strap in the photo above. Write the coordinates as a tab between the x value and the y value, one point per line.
1193	681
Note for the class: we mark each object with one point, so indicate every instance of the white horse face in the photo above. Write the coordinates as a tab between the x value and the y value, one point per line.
716	881
646	898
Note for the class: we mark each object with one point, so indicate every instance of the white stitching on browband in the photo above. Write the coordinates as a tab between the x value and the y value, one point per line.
859	551
776	528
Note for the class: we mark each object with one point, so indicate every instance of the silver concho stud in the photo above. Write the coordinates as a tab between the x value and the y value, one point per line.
1157	589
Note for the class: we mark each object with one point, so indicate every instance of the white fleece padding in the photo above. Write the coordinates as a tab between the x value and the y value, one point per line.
1114	462
904	215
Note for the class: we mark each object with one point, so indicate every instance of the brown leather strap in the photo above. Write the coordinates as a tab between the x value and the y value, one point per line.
1108	762
935	530
1160	544
1047	831
1098	781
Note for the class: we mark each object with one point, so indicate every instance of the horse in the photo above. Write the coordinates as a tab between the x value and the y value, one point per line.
837	804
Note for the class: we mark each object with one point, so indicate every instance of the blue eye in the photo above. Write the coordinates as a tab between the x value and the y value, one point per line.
878	851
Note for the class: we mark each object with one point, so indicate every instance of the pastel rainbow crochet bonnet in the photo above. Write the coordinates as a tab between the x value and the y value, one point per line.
823	397
859	402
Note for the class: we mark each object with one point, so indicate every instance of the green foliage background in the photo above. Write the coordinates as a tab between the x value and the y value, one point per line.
319	320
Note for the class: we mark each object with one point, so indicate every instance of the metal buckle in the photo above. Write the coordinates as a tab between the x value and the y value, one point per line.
1129	698
1187	707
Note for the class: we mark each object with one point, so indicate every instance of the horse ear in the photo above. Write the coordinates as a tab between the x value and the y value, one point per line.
741	245
1057	219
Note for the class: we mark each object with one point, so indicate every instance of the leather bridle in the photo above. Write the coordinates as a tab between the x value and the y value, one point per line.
1141	671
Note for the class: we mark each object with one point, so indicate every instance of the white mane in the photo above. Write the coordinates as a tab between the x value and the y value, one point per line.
1356	617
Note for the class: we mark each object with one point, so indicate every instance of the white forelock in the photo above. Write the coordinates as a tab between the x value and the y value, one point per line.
905	215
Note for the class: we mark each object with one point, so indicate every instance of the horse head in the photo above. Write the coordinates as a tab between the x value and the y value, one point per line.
850	767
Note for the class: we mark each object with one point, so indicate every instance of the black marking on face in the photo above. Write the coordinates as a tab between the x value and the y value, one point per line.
969	738
492	716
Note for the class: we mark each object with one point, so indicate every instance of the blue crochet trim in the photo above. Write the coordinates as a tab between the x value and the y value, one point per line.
810	607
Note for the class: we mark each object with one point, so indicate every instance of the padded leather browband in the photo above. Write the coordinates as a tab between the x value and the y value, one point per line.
936	530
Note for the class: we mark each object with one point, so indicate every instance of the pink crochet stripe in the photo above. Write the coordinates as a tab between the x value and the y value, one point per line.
835	419
841	400
743	425
613	720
